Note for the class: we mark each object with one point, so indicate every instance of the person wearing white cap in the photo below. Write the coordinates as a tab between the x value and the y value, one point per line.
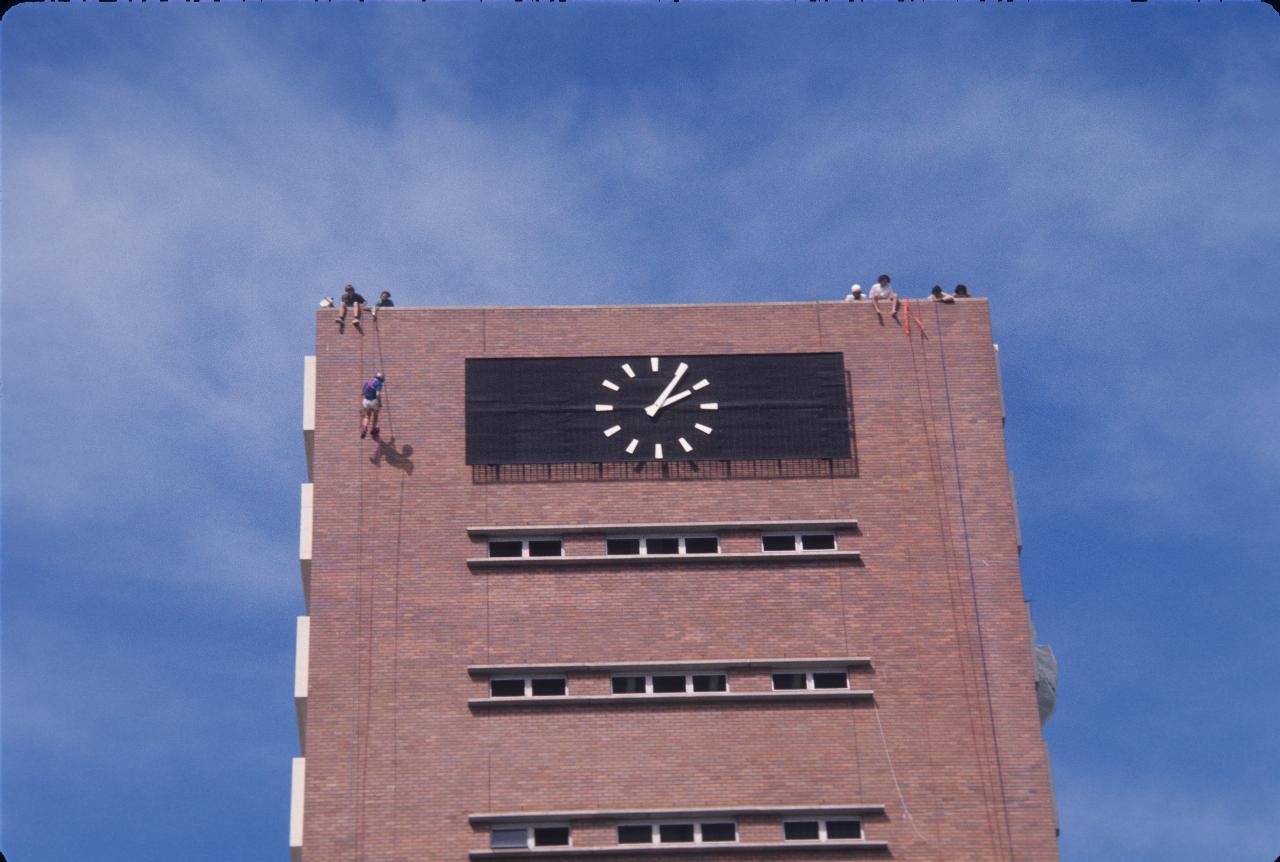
855	293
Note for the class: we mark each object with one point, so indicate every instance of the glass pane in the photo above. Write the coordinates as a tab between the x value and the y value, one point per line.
710	682
544	836
505	549
622	546
544	548
719	832
667	684
635	834
506	688
787	681
830	679
800	830
628	685
702	545
663	546
844	829
818	542
509	838
548	687
675	832
779	543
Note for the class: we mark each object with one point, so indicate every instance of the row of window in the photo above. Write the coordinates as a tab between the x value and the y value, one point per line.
631	546
665	683
832	829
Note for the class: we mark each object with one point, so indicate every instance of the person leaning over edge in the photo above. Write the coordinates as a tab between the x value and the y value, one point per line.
940	295
384	301
371	404
348	299
881	290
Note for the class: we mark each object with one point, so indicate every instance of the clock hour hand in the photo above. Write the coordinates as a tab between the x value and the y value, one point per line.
674	398
653	408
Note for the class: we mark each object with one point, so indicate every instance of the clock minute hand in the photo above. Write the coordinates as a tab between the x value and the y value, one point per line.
653	408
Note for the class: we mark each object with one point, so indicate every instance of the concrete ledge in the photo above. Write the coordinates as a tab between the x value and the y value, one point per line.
647	666
669	527
306	510
301	672
869	810
776	557
297	793
860	845
309	413
674	697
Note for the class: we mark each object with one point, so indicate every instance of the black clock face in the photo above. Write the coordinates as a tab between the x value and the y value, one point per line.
656	407
658	410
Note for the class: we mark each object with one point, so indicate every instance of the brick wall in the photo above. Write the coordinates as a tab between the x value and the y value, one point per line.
396	760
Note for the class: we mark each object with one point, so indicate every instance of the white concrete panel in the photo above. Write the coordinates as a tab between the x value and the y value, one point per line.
309	412
301	668
296	795
304	540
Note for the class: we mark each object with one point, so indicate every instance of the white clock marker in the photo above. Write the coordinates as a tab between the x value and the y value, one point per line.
609	384
710	405
653	363
684	444
705	429
657	451
609	432
631	447
701	383
602	408
626	366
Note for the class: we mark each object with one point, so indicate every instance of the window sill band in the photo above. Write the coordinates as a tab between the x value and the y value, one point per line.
860	845
650	666
672	697
669	527
781	557
868	810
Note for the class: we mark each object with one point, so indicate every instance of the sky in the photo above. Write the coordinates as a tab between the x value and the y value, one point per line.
181	184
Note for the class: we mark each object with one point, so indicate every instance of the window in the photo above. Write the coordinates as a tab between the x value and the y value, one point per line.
677	833
670	683
642	545
507	837
810	679
526	547
821	830
798	541
529	686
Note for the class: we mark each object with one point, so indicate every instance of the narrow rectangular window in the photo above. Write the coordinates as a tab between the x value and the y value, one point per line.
633	833
662	546
506	688
550	836
665	684
545	548
830	679
844	829
710	682
719	832
675	833
627	547
800	830
818	541
549	687
628	685
779	543
788	682
506	548
502	837
702	545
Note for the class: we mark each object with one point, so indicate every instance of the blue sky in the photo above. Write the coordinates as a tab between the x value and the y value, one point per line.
182	183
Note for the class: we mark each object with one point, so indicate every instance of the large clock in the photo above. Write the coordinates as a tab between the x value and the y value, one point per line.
656	407
681	410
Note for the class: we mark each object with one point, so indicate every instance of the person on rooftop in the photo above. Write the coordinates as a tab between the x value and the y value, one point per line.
881	290
962	292
855	293
940	295
371	405
348	299
384	301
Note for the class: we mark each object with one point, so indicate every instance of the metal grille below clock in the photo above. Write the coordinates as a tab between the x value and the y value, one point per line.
640	471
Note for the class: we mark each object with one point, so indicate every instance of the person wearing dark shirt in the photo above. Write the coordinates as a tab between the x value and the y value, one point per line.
940	295
384	301
349	299
371	404
962	292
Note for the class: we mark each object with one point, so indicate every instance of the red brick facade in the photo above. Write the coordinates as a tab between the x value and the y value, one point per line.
403	627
